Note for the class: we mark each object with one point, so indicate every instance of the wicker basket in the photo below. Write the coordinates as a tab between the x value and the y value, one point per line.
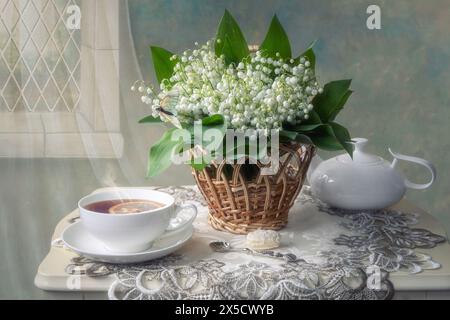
239	204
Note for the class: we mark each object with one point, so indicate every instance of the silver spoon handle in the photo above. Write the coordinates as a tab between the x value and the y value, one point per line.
289	257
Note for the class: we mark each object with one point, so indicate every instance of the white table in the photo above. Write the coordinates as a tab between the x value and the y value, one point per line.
429	284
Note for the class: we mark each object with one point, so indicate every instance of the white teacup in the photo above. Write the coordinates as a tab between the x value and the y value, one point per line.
131	232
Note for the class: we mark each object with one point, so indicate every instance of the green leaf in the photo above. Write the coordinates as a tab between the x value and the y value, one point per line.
326	142
232	43
313	118
332	137
213	120
309	55
343	136
286	135
329	103
162	63
160	158
341	105
307	127
276	41
324	139
199	167
230	53
217	122
313	122
150	119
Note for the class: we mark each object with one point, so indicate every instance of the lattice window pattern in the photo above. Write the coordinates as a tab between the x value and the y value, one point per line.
39	57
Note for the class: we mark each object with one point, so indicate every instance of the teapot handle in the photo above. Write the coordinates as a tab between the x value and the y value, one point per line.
420	161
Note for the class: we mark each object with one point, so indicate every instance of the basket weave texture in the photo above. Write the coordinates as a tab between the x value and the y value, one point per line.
240	205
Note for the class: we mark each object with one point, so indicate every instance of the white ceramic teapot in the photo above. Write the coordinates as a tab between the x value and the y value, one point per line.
366	182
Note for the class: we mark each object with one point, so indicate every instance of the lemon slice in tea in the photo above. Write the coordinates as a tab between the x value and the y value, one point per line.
133	207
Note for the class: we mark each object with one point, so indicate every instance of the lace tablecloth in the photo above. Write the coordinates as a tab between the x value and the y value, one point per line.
345	255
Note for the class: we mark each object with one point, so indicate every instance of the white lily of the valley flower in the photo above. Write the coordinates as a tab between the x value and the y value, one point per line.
258	93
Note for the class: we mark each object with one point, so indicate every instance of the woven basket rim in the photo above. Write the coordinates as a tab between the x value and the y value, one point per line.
239	206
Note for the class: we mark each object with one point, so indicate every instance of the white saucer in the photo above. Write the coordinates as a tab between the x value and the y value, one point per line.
76	238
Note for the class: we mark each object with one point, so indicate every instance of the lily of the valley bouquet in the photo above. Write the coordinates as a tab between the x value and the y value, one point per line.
226	84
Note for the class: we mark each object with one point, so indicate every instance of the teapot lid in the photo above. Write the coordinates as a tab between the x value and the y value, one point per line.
360	156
